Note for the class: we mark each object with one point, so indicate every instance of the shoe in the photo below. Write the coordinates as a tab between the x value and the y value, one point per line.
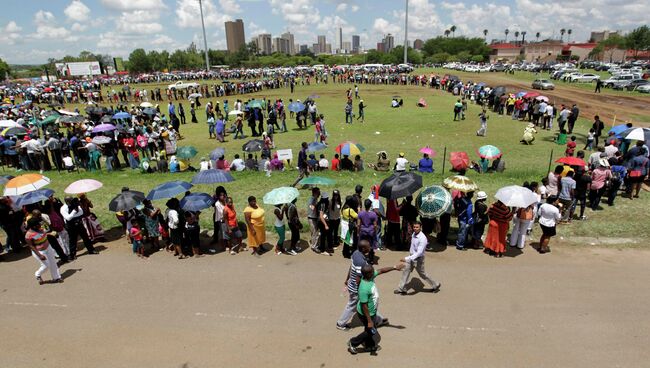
93	252
342	328
436	289
326	254
58	281
40	280
292	253
583	218
399	292
384	322
351	348
461	248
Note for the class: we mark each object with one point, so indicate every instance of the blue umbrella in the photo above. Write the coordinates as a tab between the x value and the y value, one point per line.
316	146
122	115
212	176
169	190
34	197
520	94
617	130
217	153
149	111
196	202
5	178
296	106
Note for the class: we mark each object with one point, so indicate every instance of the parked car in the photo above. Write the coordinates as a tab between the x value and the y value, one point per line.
631	85
618	79
183	85
543	84
643	88
585	78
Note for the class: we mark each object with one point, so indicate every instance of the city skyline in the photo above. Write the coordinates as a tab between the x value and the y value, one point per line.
34	31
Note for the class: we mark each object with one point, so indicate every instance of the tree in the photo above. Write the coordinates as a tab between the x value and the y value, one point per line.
5	70
562	32
611	44
464	56
139	62
453	46
453	31
485	32
217	57
516	36
506	32
179	60
537	36
447	32
638	39
439	58
477	58
523	37
569	31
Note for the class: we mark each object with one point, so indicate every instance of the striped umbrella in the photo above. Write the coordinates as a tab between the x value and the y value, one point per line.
14	131
489	152
281	195
349	148
212	176
33	197
169	190
460	183
433	201
25	183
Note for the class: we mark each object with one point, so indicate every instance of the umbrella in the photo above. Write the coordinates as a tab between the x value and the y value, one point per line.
34	197
281	195
489	152
542	98
196	202
169	190
460	183
48	89
316	146
149	111
254	104
122	115
105	119
83	186
516	196
422	102
50	119
25	183
104	128
235	112
637	134
617	130
68	119
427	150
212	176
100	139
349	148
400	185
217	153
14	131
521	94
571	161
531	94
314	96
186	152
253	145
316	180
433	201
146	104
69	113
459	160
9	124
194	95
126	200
296	107
5	178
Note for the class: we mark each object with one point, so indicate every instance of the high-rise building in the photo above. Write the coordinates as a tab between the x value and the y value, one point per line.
389	42
356	44
281	45
418	44
304	49
235	37
601	36
381	47
289	37
347	47
341	39
264	45
328	48
322	45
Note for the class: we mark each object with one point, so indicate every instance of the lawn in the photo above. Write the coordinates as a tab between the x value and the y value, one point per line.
394	130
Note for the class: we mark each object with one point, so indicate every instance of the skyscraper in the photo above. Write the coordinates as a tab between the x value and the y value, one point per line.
418	44
322	45
264	45
289	37
389	42
281	45
341	38
235	37
356	44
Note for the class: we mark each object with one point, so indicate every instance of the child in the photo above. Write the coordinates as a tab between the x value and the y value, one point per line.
68	163
192	231
571	146
561	137
135	234
590	140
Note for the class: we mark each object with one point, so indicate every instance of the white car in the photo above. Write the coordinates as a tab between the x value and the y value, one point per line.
471	68
182	85
587	78
643	89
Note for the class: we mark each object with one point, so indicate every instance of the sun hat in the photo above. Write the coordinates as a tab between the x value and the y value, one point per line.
481	195
603	162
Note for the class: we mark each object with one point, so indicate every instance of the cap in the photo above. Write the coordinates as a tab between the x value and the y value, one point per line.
325	195
401	154
481	195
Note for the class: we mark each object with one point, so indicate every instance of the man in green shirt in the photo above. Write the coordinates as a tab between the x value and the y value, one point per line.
367	308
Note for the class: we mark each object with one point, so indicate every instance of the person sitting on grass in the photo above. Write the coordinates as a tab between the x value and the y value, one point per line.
358	163
571	146
529	134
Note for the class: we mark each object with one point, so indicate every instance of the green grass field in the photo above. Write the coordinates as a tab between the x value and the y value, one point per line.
394	130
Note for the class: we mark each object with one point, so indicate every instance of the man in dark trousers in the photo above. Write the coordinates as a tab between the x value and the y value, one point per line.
72	213
599	84
302	163
573	117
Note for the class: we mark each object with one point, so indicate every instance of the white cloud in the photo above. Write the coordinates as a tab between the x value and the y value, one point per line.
341	7
127	5
43	16
139	22
354	8
47	28
162	40
188	14
78	27
255	29
77	11
296	12
11	33
230	6
381	26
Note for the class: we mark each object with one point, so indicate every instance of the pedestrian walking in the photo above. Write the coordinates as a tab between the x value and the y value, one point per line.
36	238
416	261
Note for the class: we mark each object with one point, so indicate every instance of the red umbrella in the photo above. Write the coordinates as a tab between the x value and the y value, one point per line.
459	160
531	94
571	161
48	89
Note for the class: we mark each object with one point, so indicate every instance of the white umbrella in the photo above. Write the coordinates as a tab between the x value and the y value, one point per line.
194	95
542	98
8	124
516	196
66	112
146	104
637	134
235	112
68	91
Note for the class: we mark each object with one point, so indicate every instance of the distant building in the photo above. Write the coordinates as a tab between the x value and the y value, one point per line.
264	44
543	51
281	45
504	52
600	36
322	45
328	48
389	42
347	47
341	39
356	44
235	37
292	46
380	47
304	49
418	44
581	50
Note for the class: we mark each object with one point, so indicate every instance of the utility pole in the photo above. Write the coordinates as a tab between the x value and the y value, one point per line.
406	32
205	39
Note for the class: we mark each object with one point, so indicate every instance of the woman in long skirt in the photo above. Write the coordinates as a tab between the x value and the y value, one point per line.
254	216
500	217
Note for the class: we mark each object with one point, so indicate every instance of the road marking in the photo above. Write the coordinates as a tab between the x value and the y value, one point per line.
233	316
479	329
37	304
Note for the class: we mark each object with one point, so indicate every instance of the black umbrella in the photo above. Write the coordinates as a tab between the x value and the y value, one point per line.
127	200
254	145
400	185
105	119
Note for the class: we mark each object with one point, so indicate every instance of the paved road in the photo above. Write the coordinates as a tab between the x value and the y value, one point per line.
570	308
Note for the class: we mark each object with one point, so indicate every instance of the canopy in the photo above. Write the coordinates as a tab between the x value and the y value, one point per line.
516	196
126	200
169	190
349	148
25	183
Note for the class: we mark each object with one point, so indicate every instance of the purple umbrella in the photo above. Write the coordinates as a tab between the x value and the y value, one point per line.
104	128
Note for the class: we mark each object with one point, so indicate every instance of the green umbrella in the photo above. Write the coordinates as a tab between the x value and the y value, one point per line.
49	120
255	104
281	195
433	201
186	152
316	180
489	152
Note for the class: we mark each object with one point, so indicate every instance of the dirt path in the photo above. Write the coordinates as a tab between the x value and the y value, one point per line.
570	308
606	105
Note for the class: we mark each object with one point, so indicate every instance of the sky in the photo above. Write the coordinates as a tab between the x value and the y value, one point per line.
31	31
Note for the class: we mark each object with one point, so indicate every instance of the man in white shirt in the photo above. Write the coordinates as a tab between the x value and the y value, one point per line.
549	116
401	163
416	261
323	164
549	215
72	214
237	164
219	225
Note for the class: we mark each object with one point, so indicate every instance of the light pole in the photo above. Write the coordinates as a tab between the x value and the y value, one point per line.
205	39
406	32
